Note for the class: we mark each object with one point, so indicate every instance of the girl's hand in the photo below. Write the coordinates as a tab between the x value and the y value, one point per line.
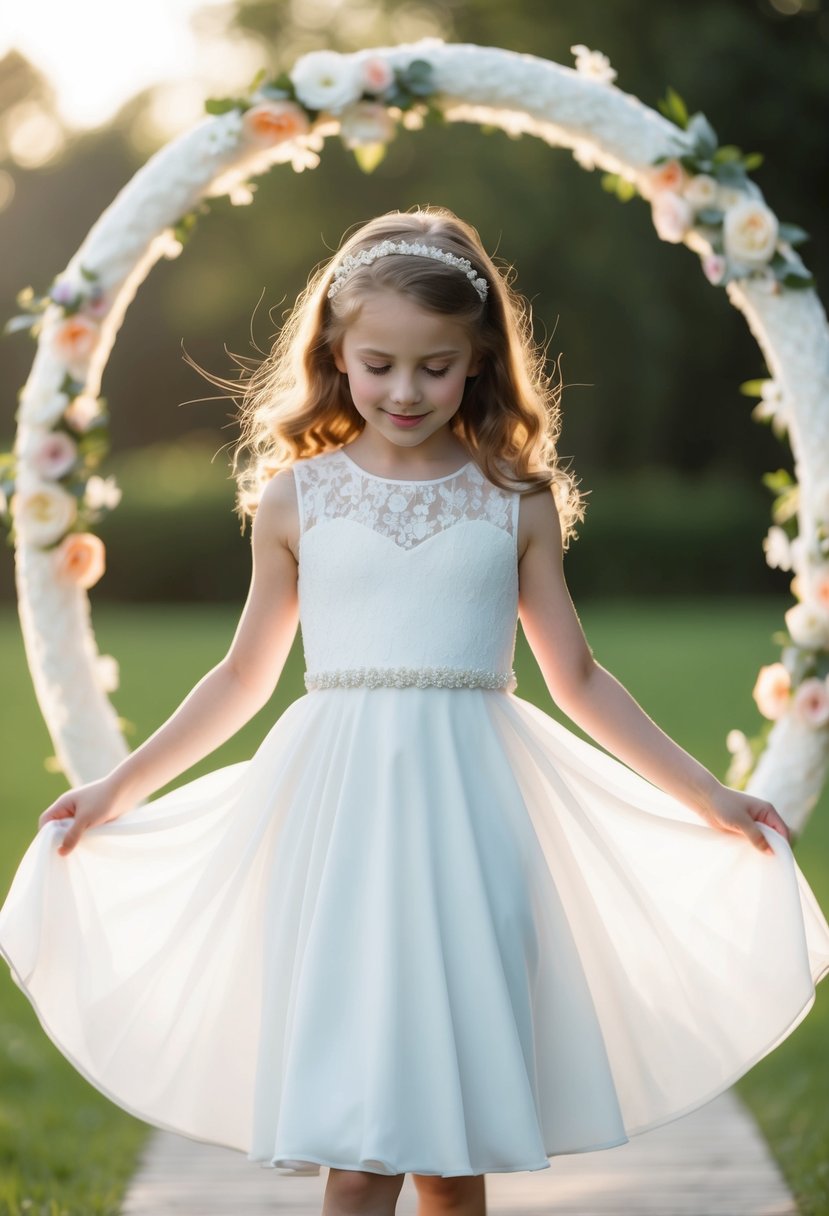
735	811
90	804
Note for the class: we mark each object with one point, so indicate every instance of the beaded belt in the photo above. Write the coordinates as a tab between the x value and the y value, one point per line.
410	677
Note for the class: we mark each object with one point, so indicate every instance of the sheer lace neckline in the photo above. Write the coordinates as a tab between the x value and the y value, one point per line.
403	481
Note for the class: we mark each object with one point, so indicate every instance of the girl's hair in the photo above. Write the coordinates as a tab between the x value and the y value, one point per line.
296	403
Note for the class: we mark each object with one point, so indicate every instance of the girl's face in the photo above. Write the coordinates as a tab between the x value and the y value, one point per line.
406	367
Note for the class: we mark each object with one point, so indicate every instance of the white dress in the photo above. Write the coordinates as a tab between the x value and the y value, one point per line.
424	928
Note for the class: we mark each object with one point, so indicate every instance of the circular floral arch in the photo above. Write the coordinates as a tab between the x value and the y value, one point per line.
700	194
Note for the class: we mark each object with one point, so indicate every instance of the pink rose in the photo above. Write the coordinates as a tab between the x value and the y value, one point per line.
672	216
771	690
811	701
54	455
376	75
714	267
274	122
80	558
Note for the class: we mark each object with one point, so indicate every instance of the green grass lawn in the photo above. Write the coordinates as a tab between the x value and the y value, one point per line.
65	1149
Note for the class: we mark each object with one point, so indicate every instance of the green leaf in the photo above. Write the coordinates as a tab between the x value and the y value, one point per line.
792	233
797	278
23	321
369	156
257	80
727	152
710	215
614	183
282	81
753	161
418	78
730	173
752	388
222	105
90	275
777	479
674	108
704	135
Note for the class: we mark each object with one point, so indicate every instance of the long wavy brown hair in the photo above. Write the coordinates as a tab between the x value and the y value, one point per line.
296	404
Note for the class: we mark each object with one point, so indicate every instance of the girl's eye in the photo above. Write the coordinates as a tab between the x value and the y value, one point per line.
437	372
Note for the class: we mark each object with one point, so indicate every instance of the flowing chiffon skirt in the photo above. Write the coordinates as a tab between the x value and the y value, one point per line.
420	930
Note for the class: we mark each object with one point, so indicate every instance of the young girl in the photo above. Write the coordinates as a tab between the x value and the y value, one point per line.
425	928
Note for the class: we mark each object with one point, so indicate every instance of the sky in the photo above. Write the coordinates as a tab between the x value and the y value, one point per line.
98	53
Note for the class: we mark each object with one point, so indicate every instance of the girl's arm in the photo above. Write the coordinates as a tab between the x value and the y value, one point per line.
595	699
228	695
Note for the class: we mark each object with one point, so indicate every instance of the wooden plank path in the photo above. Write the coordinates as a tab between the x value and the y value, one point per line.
712	1162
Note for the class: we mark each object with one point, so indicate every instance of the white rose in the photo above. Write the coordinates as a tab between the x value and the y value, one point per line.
672	216
808	626
750	233
366	122
324	80
594	64
43	512
701	191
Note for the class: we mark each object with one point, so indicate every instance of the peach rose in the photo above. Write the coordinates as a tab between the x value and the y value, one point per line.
670	176
81	558
771	690
274	122
811	701
672	216
74	339
817	582
376	75
54	454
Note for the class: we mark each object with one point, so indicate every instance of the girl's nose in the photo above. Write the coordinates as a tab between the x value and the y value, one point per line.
404	391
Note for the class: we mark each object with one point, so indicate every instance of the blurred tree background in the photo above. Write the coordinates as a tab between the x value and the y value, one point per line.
651	354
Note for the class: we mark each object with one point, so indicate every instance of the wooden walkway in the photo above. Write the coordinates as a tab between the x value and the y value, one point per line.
712	1162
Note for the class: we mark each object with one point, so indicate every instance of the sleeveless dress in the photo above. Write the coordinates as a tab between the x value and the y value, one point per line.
424	928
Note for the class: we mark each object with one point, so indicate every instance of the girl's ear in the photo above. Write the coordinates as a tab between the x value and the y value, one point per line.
474	366
339	362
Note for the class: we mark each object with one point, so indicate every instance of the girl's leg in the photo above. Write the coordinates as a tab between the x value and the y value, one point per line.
348	1192
461	1196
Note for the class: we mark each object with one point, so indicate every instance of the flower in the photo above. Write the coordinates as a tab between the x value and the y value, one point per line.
817	586
811	701
225	131
750	232
808	626
53	454
80	558
672	215
728	196
594	64
742	759
272	122
701	190
63	292
668	176
102	492
45	410
107	672
714	267
366	122
43	513
777	549
324	80
771	690
376	74
74	339
81	412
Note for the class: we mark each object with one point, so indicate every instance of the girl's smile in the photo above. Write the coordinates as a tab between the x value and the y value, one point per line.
407	370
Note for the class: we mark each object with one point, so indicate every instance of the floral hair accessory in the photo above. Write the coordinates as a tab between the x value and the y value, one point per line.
366	256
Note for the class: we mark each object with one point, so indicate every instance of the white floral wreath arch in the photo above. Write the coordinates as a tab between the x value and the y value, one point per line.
700	194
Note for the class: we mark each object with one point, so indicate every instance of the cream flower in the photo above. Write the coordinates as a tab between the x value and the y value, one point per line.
366	122
273	122
102	492
777	549
80	558
808	626
53	454
750	233
672	216
594	64
701	191
45	410
376	75
742	760
43	512
81	412
811	701
324	80
771	690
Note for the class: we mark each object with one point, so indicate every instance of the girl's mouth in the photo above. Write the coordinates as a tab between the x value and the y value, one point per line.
406	420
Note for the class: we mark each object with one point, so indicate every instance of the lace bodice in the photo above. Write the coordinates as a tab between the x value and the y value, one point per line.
398	575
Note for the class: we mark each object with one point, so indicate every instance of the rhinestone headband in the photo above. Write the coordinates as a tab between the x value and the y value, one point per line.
366	256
